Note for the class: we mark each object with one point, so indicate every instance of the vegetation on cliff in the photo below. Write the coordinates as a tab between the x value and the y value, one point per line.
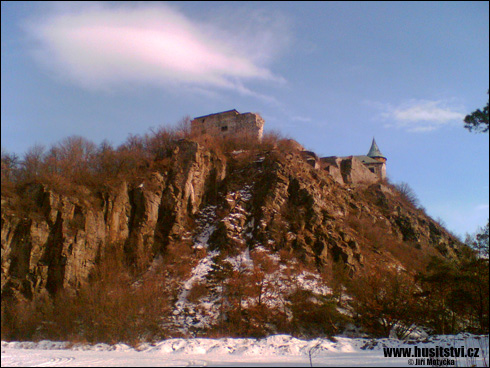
175	235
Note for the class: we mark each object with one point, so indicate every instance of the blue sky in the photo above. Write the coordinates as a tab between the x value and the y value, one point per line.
331	75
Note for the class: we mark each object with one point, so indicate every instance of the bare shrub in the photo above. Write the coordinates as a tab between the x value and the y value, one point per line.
409	255
159	142
457	293
287	144
198	291
338	279
10	165
273	139
75	155
376	233
105	161
314	315
407	194
32	164
381	237
110	308
384	300
240	143
259	281
119	310
183	127
20	319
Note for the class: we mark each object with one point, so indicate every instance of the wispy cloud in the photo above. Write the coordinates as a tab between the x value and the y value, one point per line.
101	46
301	119
419	115
483	207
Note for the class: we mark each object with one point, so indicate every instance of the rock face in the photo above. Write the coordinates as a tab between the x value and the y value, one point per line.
273	199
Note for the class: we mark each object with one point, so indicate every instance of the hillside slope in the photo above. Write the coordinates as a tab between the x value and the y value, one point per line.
237	235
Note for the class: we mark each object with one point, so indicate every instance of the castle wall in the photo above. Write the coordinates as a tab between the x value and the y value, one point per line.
229	123
355	172
379	169
349	170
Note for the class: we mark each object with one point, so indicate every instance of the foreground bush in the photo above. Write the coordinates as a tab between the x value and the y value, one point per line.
109	308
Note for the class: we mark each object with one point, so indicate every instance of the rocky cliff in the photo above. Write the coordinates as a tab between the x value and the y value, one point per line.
200	199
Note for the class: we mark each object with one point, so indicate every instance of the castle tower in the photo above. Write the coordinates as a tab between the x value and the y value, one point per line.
375	153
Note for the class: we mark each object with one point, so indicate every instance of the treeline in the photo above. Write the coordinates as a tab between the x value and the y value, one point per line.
76	161
449	297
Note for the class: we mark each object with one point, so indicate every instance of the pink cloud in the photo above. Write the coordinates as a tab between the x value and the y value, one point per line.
99	47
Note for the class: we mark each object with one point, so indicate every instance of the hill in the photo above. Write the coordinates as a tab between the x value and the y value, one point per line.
202	236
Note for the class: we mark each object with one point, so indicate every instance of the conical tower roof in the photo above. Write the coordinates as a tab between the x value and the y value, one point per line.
374	151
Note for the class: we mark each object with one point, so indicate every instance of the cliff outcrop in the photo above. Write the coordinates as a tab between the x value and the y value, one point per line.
201	198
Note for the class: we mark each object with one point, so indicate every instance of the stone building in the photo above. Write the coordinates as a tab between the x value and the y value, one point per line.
374	161
228	123
367	169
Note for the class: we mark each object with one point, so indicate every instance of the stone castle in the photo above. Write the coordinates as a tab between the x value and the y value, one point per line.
369	168
228	123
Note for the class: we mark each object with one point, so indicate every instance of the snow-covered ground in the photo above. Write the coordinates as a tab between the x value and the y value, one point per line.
274	351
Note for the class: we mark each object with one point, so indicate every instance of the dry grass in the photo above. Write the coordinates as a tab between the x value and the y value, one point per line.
377	234
381	238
